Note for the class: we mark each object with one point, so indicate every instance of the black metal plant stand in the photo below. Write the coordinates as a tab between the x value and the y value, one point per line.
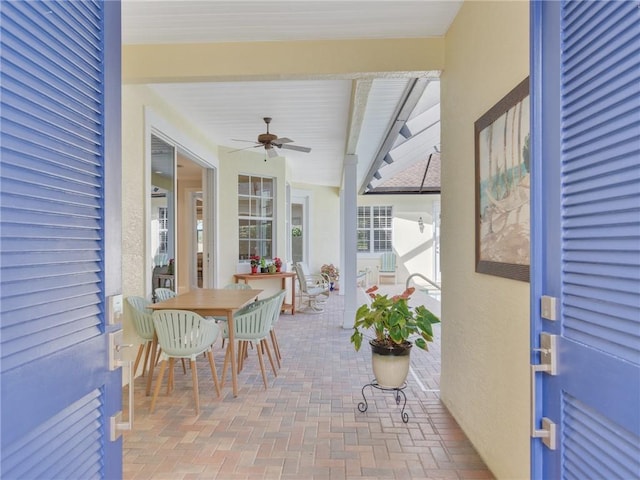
362	406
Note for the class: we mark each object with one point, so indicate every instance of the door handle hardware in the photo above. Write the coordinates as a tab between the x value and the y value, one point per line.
117	426
548	364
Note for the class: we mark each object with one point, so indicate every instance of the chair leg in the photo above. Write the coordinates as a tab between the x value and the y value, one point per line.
138	356
147	352
265	344
184	367
261	361
214	372
276	347
242	354
194	377
163	366
172	362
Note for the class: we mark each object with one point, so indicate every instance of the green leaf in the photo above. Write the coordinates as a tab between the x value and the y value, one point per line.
420	343
356	339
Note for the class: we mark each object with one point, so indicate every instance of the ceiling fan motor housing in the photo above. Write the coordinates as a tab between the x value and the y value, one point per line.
267	138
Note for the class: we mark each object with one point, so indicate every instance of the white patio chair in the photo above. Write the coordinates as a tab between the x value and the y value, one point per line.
315	293
184	335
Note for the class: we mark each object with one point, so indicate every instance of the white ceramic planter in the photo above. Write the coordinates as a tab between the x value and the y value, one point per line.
390	370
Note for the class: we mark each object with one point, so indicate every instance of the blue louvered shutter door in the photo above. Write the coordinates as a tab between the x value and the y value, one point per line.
595	399
55	384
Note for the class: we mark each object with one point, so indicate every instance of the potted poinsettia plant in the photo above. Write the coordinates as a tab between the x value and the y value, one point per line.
255	261
396	327
278	263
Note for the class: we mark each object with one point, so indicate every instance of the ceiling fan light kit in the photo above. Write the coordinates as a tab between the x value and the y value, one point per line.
269	140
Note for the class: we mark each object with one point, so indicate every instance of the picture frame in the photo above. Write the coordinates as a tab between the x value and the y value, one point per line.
502	168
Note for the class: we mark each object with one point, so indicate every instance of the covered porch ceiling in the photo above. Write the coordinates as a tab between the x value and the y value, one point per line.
354	77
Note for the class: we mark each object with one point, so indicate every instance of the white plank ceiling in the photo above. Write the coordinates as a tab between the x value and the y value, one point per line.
314	113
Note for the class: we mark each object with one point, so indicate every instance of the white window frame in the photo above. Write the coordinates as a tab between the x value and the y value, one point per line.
375	216
256	200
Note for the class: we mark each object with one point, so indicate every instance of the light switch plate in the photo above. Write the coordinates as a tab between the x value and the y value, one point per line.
115	307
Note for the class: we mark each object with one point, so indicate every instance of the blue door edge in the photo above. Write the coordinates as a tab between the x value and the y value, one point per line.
545	269
112	231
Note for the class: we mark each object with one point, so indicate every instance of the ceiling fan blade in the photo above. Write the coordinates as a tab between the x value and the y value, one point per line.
245	148
239	140
279	141
271	152
296	148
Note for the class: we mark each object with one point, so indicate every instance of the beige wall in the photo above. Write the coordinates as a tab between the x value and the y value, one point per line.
414	249
485	319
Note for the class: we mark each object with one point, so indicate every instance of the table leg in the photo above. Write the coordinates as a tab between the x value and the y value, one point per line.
232	353
152	363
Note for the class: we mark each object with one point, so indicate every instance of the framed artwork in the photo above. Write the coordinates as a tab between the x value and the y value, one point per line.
502	139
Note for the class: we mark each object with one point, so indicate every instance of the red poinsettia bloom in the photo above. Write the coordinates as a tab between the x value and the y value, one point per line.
371	290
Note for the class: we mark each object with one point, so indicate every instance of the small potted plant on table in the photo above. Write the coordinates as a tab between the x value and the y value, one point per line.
278	263
394	324
255	261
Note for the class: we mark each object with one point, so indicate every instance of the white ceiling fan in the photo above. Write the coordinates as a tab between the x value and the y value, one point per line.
269	141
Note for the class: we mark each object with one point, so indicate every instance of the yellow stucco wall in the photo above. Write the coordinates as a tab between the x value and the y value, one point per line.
485	319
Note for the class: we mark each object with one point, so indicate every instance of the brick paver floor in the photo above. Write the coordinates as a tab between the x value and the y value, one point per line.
307	424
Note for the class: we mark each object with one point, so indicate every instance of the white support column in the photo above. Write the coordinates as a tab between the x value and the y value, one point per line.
349	209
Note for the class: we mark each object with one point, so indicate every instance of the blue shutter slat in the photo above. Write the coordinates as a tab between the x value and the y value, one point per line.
58	164
575	17
54	439
81	61
584	26
66	112
47	340
83	187
604	140
53	310
78	319
18	67
58	124
46	259
26	204
594	447
621	160
37	244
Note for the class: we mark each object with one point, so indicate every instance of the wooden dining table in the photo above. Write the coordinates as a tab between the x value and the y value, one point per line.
208	302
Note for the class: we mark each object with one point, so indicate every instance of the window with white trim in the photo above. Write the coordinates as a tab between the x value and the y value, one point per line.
375	229
256	205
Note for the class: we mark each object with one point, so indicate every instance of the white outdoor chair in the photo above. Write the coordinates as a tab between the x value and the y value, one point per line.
387	267
163	294
252	323
184	335
143	324
316	293
274	321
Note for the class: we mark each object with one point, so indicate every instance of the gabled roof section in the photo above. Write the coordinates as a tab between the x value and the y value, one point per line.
422	177
409	162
